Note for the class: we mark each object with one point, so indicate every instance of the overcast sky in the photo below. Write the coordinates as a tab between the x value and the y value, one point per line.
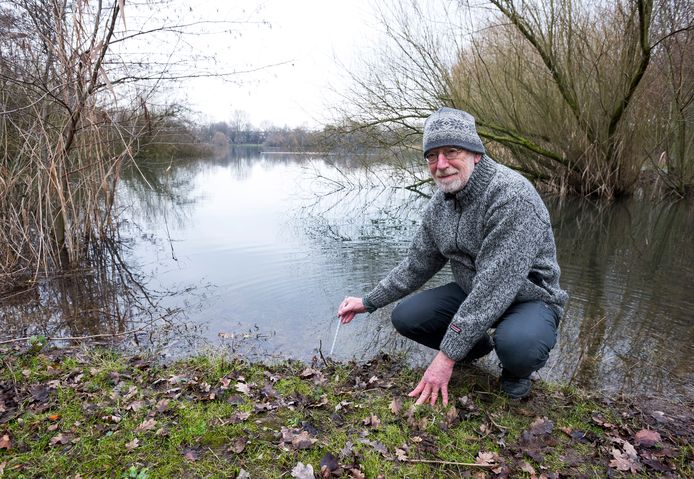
311	37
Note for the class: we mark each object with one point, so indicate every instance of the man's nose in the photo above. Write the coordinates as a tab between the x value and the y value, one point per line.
441	160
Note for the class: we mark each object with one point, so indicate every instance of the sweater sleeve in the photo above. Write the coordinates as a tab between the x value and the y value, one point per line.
512	234
421	263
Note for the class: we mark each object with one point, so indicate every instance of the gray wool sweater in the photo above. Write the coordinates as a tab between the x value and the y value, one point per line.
497	236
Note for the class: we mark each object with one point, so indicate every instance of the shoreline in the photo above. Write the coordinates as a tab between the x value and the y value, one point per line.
99	413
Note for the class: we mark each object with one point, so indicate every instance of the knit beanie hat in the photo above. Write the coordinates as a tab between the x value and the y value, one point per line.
451	127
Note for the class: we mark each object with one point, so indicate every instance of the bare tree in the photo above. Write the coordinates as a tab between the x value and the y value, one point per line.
555	86
80	95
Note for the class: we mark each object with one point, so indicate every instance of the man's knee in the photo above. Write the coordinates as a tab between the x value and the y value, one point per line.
522	353
402	319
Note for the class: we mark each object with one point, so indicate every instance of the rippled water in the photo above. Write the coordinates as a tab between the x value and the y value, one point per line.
270	244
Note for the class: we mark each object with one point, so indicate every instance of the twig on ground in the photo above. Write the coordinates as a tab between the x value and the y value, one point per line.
449	463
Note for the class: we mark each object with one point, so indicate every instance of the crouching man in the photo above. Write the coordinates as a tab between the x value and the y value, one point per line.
491	225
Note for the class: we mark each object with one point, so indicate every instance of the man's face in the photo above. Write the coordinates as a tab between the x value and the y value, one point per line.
451	167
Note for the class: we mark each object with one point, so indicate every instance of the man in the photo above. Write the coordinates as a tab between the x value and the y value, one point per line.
491	225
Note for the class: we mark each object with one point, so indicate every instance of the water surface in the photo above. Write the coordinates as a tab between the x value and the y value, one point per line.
263	247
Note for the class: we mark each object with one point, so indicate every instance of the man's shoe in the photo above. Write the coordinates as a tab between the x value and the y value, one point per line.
480	349
515	388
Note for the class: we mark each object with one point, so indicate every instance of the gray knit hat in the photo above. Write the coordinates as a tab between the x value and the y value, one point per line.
451	127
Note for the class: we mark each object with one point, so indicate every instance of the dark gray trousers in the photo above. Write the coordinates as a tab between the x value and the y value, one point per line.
525	333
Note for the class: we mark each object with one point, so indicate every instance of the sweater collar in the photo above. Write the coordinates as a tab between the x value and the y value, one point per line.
481	176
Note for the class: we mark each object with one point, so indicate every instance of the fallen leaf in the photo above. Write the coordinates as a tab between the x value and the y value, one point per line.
376	445
303	440
162	405
54	417
146	425
5	442
396	405
622	462
132	444
240	416
346	451
243	388
373	379
59	439
302	471
486	458
191	454
525	467
541	426
400	454
647	438
243	474
451	416
237	446
371	421
308	373
112	418
135	406
330	462
356	474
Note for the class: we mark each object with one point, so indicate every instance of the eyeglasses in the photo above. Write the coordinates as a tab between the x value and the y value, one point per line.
449	153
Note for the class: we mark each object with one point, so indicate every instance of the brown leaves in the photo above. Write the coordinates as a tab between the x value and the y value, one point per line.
487	458
396	405
5	442
647	438
298	439
371	421
146	425
132	445
303	471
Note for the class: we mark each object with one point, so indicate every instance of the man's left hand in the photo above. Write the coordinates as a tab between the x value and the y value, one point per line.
435	380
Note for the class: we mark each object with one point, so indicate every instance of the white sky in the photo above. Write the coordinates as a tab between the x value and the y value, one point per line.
311	35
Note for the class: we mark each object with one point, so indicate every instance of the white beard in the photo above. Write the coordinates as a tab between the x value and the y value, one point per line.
450	185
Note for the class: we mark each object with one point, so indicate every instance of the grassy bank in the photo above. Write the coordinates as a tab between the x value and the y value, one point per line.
75	413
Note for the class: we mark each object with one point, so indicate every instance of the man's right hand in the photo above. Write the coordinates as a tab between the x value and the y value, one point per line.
349	308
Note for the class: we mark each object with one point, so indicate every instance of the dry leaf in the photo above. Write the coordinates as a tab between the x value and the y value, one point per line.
191	454
146	425
302	471
396	405
59	439
135	406
243	474
529	469
237	446
400	454
451	416
622	462
5	442
240	416
486	458
329	462
243	388
303	440
356	474
647	438
132	444
372	421
541	426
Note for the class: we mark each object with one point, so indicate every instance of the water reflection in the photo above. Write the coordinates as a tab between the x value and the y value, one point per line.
262	247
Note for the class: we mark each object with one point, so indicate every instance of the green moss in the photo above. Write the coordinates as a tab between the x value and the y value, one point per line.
199	435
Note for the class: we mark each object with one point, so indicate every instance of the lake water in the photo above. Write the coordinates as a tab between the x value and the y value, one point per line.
259	249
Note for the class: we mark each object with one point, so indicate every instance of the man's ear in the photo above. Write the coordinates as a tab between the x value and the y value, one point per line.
478	157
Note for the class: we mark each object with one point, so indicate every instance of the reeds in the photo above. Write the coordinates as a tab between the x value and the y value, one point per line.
65	134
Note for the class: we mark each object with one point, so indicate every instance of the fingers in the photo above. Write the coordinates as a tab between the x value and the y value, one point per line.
444	394
425	394
418	389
